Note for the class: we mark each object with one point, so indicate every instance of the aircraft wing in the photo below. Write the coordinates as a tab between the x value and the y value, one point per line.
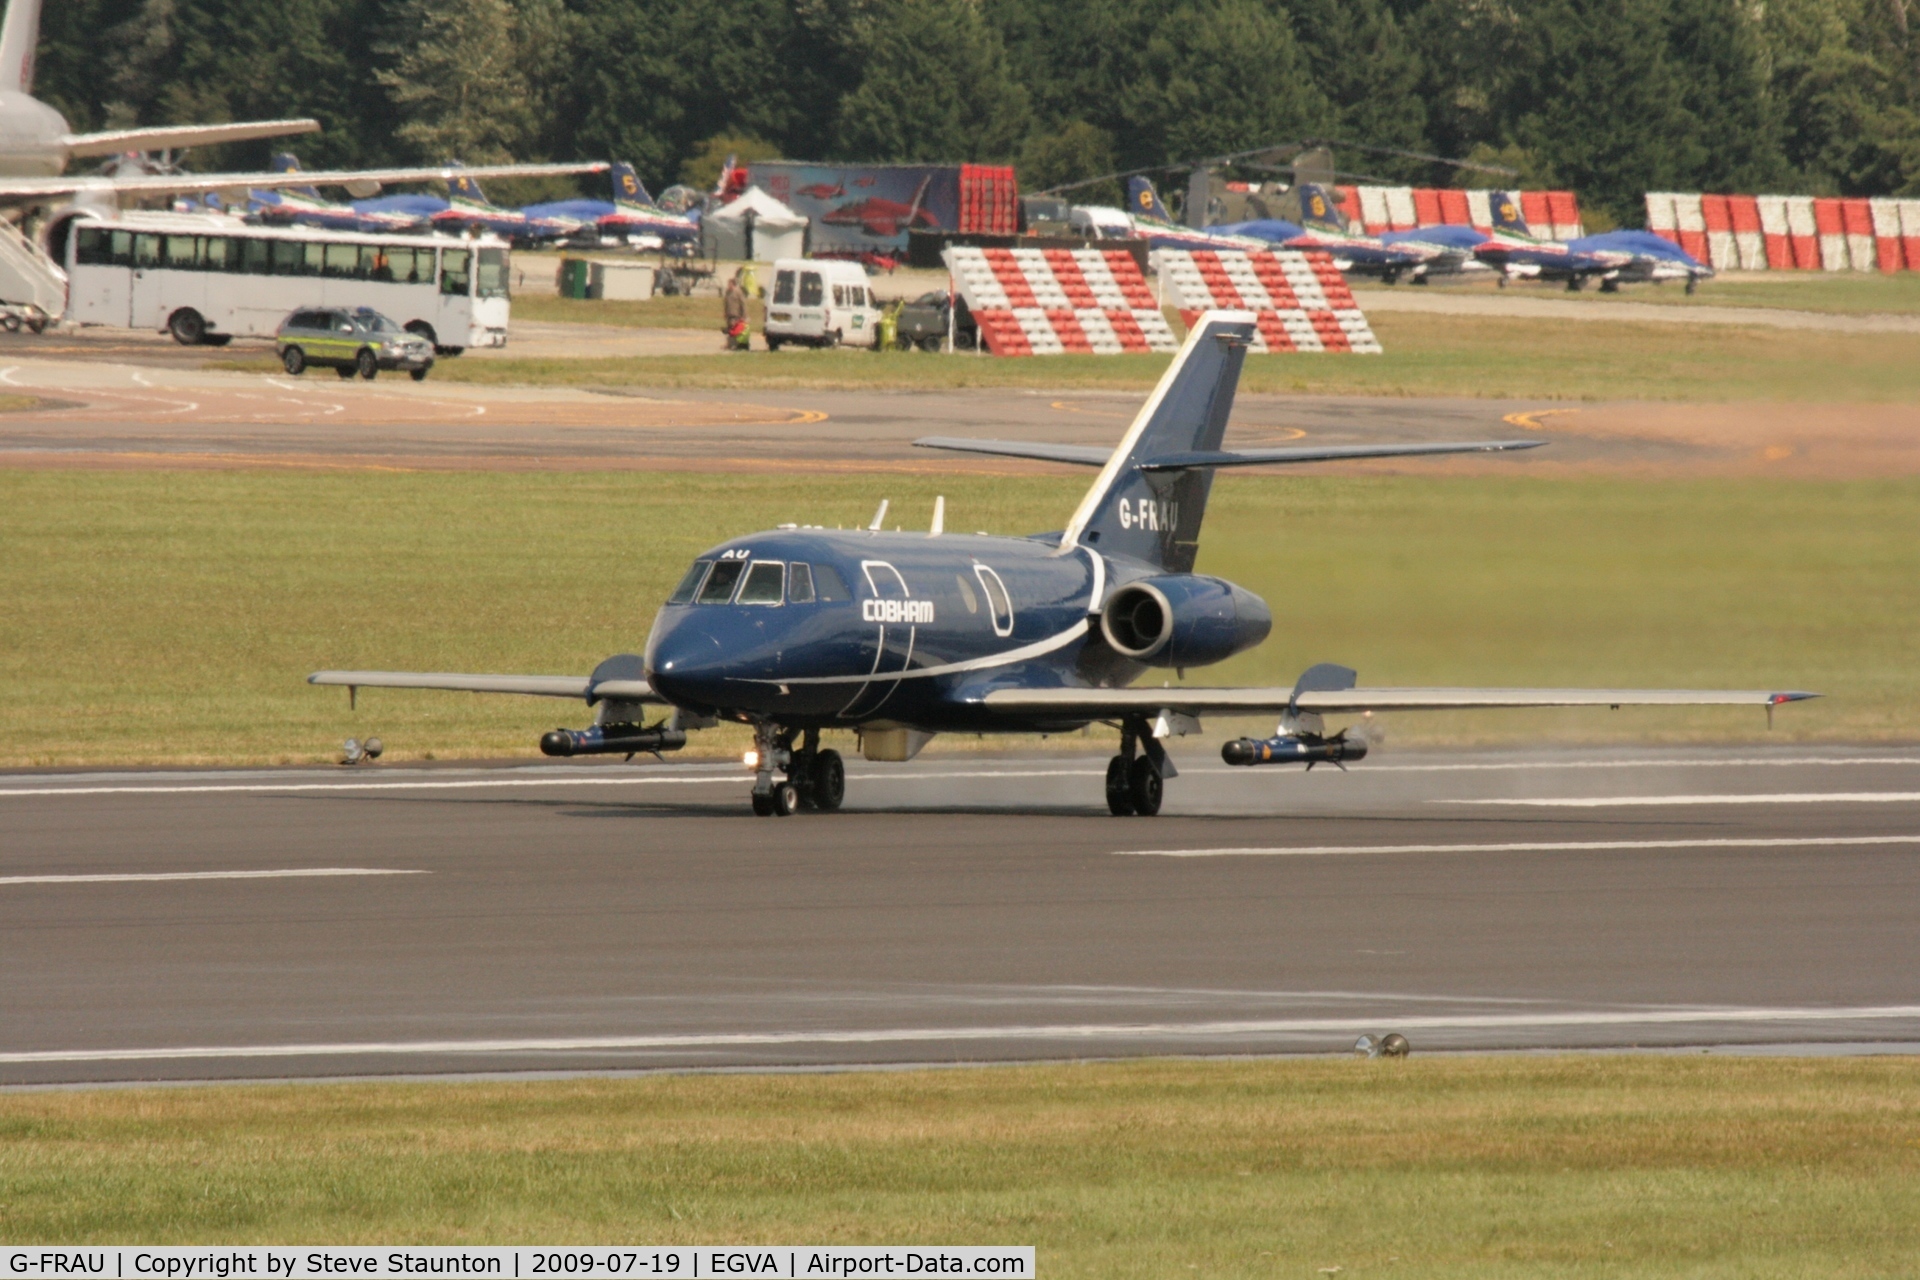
1096	456
625	690
157	184
1116	703
165	137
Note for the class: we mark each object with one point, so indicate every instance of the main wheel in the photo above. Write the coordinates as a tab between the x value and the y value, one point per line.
1119	791
294	361
786	799
188	327
344	371
367	365
418	375
1146	787
762	805
829	781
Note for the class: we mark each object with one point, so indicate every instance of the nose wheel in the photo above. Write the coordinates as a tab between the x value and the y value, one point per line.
815	778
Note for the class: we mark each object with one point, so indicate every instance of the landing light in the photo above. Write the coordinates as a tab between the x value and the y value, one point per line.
751	759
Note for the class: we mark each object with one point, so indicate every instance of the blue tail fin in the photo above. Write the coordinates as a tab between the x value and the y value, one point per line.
461	187
1319	211
1505	207
627	187
1144	201
1154	515
287	162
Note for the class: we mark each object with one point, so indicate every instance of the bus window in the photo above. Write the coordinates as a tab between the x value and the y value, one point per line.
811	290
92	247
453	271
491	280
216	252
146	251
123	248
289	258
313	260
181	252
783	288
374	264
340	261
255	257
409	266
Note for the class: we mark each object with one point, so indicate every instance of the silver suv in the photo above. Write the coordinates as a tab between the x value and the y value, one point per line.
360	341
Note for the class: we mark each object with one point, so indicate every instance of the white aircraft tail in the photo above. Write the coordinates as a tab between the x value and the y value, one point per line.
27	276
19	35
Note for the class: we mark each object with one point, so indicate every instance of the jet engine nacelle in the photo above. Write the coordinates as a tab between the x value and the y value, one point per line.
1183	620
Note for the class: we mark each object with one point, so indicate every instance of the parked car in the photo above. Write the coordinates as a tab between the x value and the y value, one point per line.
923	323
820	302
360	341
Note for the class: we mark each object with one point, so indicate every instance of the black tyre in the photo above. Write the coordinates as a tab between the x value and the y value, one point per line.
37	324
829	781
294	361
366	364
421	329
418	375
1119	789
932	342
762	805
211	339
773	343
449	352
1146	787
12	323
345	371
188	327
786	799
831	341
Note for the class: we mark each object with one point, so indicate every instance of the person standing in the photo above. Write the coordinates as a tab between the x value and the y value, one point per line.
734	308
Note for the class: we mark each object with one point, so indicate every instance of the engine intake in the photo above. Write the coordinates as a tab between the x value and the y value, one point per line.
1183	620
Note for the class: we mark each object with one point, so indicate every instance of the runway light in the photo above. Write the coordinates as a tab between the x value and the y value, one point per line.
751	759
1366	1047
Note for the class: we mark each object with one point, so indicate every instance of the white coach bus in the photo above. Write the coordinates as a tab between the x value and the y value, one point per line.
206	278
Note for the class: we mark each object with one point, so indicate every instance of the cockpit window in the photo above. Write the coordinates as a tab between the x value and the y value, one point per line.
720	582
764	582
799	583
829	586
683	594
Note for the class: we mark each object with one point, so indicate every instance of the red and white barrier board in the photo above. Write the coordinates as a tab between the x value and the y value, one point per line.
1301	300
1800	233
1050	301
1551	215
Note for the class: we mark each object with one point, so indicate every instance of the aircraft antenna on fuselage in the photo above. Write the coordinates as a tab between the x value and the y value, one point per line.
939	517
18	37
878	516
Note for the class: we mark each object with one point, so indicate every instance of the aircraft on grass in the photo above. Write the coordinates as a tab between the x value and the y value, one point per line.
1364	255
1613	258
1152	222
468	209
899	636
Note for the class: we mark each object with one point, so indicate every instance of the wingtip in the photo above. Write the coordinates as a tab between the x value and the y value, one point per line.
1793	695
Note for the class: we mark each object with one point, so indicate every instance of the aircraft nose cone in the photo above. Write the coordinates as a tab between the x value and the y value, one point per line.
684	662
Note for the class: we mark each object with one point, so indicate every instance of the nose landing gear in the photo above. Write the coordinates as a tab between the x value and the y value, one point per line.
815	778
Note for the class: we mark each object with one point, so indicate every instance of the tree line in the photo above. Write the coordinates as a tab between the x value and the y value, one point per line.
1608	97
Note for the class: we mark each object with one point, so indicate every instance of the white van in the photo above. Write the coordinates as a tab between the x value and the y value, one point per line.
820	302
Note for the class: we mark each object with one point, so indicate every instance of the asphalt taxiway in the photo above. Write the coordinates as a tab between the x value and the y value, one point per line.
247	924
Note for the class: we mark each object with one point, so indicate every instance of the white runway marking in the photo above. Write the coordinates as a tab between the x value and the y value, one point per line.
472	784
1529	846
1781	797
1083	1032
116	878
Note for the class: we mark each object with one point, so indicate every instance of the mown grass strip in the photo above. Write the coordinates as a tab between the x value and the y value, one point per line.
1574	1166
159	616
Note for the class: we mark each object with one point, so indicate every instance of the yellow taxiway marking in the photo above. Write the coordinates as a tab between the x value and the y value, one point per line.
1530	420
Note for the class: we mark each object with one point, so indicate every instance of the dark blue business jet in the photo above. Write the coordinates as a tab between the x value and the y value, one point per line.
900	636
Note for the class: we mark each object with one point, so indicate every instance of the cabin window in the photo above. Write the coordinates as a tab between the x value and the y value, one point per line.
146	251
799	584
839	295
491	280
683	594
123	248
256	257
313	259
180	252
856	295
966	593
342	261
92	247
764	584
828	586
402	267
783	288
999	605
811	289
720	583
453	271
217	253
885	580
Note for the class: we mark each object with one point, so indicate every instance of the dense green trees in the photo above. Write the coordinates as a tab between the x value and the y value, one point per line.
1610	97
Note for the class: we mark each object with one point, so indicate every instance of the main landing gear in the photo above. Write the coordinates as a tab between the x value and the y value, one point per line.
815	778
1136	783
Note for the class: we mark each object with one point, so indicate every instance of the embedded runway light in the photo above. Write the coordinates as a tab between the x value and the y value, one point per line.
373	747
354	751
1394	1045
1366	1047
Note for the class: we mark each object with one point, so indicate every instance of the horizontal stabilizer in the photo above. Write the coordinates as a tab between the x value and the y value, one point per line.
631	690
1105	703
173	137
1189	460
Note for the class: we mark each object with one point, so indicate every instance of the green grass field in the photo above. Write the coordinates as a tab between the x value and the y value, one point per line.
1426	355
159	616
1837	292
1430	1167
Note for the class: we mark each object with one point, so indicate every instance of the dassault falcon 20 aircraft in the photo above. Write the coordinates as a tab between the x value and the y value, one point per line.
900	636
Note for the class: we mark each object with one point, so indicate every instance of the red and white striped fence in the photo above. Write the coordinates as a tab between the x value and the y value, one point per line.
1790	233
1551	215
1049	301
1301	300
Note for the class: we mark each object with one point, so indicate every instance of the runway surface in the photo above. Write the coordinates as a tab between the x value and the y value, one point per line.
193	925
